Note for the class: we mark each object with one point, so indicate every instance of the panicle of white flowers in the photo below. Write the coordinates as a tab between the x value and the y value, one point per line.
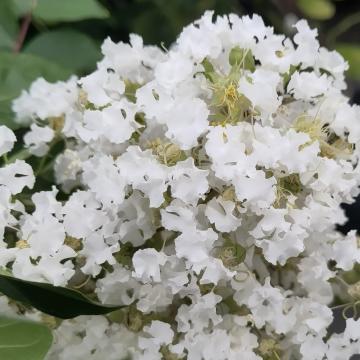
203	187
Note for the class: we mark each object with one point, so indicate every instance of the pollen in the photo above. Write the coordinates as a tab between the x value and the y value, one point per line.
22	244
166	152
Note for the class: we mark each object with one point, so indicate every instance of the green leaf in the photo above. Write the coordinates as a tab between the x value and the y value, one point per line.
57	301
242	57
317	9
17	72
22	339
68	48
8	24
351	53
69	10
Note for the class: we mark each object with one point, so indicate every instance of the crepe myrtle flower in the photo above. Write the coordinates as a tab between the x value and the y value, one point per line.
203	187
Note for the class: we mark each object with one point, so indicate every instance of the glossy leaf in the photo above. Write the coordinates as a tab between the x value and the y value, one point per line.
57	301
317	9
69	10
68	48
351	53
22	339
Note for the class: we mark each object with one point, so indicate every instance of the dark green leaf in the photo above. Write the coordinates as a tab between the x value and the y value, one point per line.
69	10
317	9
68	48
351	53
23	339
57	301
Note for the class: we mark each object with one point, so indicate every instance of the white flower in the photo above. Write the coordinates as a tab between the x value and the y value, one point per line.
265	303
38	138
260	89
16	176
188	183
43	232
255	190
7	140
174	70
186	121
102	86
144	173
307	44
81	215
45	100
115	123
220	213
97	252
195	245
104	178
200	187
160	332
346	251
307	85
147	264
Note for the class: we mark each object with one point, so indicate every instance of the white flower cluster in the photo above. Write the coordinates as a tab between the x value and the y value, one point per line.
203	184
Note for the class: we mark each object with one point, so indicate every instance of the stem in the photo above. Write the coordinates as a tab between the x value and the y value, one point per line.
20	155
340	306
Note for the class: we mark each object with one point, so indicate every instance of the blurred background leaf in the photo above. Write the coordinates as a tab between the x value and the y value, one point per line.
351	53
317	9
8	24
69	10
64	10
23	339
